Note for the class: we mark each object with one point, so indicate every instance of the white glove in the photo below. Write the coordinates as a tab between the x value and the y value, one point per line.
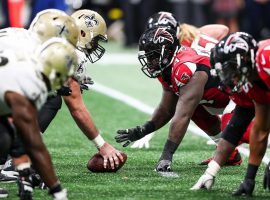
62	195
143	142
206	181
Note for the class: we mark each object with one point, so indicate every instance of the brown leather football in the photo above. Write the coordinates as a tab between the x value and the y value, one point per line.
95	164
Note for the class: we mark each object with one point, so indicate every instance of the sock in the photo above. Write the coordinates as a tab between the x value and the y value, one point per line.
168	151
251	171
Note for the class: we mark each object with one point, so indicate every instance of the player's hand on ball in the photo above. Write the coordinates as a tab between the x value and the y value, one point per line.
111	156
130	135
206	181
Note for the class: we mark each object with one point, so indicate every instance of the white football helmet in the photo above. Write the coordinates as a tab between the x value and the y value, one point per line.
58	59
55	23
92	29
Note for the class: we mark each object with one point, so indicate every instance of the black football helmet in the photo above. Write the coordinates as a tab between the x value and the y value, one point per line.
163	19
233	59
157	49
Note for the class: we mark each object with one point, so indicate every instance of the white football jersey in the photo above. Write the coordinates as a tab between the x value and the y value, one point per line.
22	77
23	41
80	72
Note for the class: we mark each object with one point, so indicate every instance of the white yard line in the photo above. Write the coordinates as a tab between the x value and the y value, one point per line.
139	105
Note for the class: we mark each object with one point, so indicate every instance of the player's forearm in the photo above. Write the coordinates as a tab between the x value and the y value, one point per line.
161	117
85	122
258	144
178	129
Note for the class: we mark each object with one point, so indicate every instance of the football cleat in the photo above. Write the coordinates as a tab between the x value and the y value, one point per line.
234	160
25	185
8	173
3	193
62	195
164	166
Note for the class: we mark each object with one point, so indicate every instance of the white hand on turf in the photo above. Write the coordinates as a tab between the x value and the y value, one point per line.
206	181
143	142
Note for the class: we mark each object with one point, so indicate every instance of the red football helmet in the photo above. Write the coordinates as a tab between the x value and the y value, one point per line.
263	62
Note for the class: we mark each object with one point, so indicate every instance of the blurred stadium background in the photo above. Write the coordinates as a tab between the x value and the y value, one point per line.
119	72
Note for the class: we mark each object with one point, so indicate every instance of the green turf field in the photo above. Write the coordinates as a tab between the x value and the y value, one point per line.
136	180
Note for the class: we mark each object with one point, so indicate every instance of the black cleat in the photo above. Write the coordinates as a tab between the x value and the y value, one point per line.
3	193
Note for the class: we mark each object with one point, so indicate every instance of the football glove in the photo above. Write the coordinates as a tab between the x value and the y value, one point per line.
246	188
143	142
266	178
164	166
130	135
64	91
62	195
206	181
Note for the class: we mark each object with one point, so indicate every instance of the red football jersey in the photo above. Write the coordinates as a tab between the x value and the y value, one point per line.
242	99
183	68
263	61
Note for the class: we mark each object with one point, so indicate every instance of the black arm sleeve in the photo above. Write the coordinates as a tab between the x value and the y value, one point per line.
238	124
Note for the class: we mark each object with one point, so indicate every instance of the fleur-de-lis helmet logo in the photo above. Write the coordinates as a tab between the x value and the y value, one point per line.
91	21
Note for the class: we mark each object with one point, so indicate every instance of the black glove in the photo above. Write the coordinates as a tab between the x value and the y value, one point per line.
266	178
164	166
64	91
246	188
130	135
133	134
83	87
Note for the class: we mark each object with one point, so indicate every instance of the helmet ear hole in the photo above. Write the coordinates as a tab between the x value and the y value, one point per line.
83	34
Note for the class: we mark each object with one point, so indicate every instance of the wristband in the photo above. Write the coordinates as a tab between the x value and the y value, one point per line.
98	141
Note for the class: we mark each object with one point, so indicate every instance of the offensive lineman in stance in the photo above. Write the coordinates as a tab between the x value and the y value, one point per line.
25	82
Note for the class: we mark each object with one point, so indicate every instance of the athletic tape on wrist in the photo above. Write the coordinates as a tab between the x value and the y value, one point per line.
213	168
98	141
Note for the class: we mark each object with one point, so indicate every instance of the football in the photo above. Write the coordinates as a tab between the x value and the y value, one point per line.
95	164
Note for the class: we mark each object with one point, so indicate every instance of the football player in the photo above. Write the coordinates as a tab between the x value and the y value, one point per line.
25	82
188	90
203	39
92	31
26	42
243	68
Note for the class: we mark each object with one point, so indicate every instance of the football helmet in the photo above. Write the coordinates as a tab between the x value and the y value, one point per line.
58	59
233	59
55	23
157	49
92	30
163	19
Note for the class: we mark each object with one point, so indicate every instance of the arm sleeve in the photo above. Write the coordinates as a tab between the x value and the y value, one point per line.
238	124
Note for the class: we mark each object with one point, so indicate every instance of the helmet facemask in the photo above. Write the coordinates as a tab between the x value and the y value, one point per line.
158	47
93	50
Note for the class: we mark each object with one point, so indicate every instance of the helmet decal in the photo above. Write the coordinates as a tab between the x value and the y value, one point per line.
91	21
161	35
166	18
231	45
